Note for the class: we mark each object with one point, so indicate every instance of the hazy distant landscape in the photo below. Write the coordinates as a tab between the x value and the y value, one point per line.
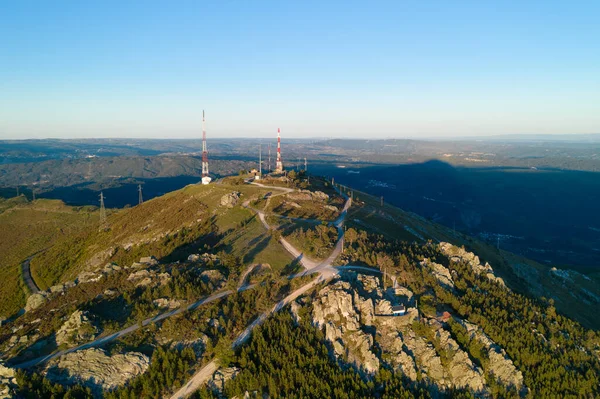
536	197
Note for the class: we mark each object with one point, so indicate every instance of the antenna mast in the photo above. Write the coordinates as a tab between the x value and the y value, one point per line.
205	178
279	164
269	157
259	161
141	200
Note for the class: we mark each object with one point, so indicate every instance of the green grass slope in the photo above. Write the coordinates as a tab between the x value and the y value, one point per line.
171	226
28	228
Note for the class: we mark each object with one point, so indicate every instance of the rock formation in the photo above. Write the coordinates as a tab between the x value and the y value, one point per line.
230	200
355	314
94	368
457	254
77	329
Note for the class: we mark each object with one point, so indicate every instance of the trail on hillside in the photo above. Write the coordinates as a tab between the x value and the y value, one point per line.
325	269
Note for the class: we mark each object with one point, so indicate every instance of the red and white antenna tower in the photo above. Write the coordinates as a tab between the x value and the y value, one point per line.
279	164
205	178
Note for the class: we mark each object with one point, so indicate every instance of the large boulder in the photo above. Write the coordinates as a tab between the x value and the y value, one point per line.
94	368
220	377
35	301
230	200
8	382
77	329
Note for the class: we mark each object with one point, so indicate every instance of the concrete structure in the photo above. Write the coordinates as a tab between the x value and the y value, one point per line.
399	310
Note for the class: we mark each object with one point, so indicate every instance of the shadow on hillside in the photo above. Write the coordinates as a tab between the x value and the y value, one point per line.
259	244
545	214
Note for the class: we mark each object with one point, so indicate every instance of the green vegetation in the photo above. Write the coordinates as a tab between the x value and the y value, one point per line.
34	386
289	359
556	355
28	228
168	370
315	241
181	220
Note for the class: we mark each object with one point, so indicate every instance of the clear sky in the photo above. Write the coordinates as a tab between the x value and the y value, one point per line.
314	68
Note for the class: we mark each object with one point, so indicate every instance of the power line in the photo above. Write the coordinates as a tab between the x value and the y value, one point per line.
141	200
103	224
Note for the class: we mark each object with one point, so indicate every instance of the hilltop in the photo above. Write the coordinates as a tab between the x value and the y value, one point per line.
288	287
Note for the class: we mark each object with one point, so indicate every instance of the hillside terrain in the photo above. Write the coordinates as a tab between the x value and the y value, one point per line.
28	228
289	288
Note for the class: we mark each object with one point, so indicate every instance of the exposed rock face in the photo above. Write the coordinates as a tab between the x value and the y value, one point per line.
95	369
335	312
76	329
220	377
35	301
307	195
441	273
500	365
166	303
8	382
230	200
457	254
355	314
149	260
214	276
144	277
88	277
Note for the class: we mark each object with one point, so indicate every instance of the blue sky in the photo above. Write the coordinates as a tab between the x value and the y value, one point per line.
316	69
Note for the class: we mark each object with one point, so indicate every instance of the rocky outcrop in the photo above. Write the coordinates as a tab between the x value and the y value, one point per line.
213	276
334	311
8	382
499	364
165	303
220	377
441	273
356	317
35	301
77	329
94	368
458	254
230	200
307	195
145	277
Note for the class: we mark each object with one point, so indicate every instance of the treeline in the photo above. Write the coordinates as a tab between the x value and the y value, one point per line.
168	370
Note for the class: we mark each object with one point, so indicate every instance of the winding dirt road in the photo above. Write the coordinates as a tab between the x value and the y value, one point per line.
325	269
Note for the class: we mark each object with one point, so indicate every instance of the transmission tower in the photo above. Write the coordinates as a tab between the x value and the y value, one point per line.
305	165
260	161
17	191
33	193
141	200
102	212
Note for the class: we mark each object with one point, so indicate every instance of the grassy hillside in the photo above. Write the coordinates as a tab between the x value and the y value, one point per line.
28	228
181	222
